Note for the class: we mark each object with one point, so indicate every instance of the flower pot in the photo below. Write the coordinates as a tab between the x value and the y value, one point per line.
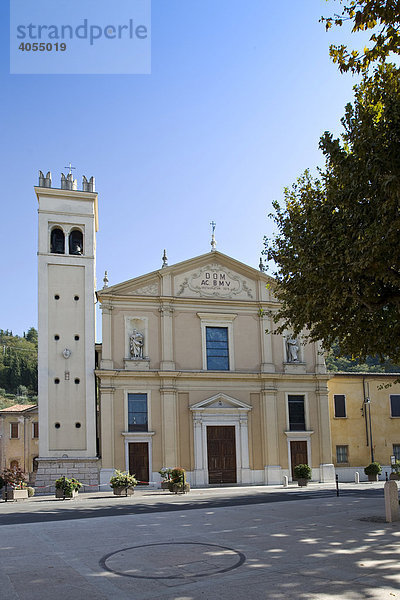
68	495
302	482
394	476
14	494
123	491
374	477
177	488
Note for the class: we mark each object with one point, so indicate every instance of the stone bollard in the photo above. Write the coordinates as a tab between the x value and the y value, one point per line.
391	501
357	477
285	481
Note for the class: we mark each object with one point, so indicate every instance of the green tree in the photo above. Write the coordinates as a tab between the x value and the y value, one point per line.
336	250
382	17
18	361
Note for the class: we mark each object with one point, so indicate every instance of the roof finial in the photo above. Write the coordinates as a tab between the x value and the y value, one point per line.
70	167
213	242
164	259
105	280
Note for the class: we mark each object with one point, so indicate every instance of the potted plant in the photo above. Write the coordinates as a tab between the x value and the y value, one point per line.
303	474
67	487
177	483
395	474
165	477
373	471
122	483
13	484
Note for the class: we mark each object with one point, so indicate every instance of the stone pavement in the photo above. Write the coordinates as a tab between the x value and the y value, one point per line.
321	547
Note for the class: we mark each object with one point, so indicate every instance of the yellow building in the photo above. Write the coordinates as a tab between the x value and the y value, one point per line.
19	438
364	413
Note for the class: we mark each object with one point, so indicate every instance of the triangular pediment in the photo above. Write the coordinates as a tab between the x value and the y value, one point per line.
146	285
220	401
213	275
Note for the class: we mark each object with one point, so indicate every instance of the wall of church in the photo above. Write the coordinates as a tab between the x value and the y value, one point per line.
186	400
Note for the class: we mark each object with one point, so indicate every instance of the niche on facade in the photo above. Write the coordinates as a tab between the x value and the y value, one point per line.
293	352
136	343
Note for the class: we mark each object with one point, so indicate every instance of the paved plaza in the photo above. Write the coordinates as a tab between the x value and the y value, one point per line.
242	543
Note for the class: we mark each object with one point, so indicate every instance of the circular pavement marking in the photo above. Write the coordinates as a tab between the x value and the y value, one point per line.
175	560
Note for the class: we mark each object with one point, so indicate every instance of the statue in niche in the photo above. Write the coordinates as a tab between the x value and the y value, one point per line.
136	343
292	349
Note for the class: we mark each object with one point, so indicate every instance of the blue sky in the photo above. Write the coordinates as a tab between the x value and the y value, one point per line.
239	94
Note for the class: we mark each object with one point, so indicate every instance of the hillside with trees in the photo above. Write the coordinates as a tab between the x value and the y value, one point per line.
18	367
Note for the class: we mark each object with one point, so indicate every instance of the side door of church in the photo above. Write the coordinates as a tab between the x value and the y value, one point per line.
298	455
139	461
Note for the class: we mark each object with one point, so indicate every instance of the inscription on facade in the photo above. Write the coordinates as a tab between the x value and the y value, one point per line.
214	280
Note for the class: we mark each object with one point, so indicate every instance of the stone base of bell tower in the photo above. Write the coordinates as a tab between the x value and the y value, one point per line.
85	470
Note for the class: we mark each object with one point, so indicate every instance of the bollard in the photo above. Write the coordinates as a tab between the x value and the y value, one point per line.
386	476
337	485
391	501
357	477
285	481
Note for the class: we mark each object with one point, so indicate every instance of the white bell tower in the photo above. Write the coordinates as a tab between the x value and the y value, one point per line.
68	222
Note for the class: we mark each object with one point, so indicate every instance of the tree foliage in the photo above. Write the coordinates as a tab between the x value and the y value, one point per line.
336	250
18	362
382	17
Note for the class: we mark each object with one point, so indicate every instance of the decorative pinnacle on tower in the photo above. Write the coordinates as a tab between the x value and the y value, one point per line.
213	242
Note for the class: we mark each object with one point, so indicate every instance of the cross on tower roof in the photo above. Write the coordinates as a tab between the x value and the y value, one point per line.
69	167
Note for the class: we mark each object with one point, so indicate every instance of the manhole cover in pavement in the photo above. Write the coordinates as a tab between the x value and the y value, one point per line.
178	560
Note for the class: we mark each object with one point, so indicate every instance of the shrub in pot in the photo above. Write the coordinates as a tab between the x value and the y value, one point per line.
395	474
123	483
165	477
67	487
303	474
177	482
14	487
373	470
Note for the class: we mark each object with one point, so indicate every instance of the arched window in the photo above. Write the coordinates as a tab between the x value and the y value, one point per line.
57	243
76	242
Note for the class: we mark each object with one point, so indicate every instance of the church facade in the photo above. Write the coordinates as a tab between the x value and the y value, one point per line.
190	377
188	371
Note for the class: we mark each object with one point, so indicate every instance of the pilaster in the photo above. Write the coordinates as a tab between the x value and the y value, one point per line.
267	360
169	414
106	349
167	351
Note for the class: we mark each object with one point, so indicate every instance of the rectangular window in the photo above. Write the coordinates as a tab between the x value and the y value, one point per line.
14	430
342	454
35	430
340	405
297	420
395	405
217	348
396	451
137	412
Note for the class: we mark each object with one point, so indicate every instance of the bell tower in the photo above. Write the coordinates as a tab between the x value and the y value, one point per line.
68	222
